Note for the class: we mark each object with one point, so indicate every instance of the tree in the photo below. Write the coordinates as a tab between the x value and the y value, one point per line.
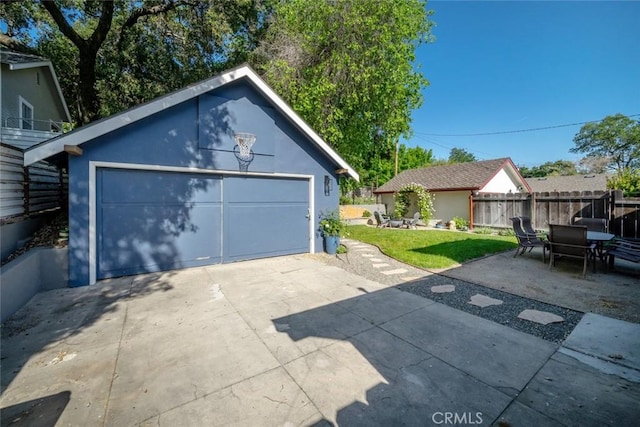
413	157
113	55
557	168
460	155
627	180
616	138
347	67
598	164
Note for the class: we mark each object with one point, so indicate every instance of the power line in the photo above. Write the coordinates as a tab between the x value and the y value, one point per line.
514	131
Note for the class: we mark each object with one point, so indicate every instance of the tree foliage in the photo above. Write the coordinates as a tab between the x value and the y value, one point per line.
557	168
460	155
627	180
402	201
347	67
112	55
616	138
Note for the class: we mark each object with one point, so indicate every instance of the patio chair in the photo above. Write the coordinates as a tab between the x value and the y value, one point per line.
571	241
527	240
625	249
592	224
413	222
381	219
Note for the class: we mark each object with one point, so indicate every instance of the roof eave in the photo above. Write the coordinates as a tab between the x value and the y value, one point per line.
117	121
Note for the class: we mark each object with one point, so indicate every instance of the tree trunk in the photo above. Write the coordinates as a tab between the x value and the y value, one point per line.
89	105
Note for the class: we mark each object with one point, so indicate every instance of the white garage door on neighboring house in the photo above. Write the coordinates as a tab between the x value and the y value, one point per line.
154	220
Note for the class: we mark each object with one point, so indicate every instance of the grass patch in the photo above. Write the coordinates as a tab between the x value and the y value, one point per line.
431	248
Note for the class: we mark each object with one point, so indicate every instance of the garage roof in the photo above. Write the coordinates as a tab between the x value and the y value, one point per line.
98	128
457	176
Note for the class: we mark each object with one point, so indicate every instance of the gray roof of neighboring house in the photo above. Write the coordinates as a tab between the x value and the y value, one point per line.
592	182
12	57
457	176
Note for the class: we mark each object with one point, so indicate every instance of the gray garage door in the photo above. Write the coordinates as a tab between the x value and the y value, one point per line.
155	221
265	217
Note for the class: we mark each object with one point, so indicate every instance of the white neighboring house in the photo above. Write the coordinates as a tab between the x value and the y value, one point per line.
33	110
33	107
454	185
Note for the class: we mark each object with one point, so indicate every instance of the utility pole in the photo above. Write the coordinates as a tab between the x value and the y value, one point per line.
397	148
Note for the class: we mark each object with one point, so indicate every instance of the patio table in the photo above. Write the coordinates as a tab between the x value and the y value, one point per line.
599	238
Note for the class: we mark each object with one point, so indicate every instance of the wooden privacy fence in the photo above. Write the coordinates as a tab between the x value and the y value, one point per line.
494	210
26	191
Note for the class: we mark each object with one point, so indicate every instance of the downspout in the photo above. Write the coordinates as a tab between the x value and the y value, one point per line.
471	210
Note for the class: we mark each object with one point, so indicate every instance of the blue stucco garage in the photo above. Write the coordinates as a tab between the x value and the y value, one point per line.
164	186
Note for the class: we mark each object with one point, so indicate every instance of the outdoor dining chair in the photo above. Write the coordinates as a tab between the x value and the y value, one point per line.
527	240
413	222
592	224
381	219
571	241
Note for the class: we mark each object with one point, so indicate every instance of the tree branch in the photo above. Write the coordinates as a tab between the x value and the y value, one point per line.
154	10
64	26
13	44
104	25
142	11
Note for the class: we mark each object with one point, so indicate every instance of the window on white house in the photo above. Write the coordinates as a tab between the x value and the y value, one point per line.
26	114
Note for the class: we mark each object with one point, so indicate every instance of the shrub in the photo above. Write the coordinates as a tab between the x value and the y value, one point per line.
483	230
345	200
342	249
461	223
366	214
506	232
330	223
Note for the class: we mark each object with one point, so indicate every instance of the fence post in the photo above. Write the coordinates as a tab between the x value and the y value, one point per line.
612	209
532	209
25	188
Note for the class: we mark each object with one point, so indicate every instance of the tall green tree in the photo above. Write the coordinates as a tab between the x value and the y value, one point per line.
556	168
414	157
111	55
460	155
348	68
616	138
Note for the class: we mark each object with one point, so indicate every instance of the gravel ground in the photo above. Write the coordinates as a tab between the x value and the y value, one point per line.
419	282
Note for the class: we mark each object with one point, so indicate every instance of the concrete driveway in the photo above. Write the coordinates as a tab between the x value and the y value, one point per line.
292	341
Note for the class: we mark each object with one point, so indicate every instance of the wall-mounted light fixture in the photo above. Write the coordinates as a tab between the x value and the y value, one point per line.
328	185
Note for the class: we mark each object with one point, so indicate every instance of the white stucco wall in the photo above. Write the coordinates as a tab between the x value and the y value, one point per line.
501	183
448	204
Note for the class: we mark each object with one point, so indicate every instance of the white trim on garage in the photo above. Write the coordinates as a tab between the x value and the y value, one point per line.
94	165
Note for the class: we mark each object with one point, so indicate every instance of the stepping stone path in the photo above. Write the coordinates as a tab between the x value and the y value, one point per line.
442	289
541	317
479	300
396	271
379	265
484	301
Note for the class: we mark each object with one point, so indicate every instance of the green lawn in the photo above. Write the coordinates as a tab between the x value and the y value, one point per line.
431	248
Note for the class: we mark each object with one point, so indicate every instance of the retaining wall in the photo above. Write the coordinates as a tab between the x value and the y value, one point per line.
40	269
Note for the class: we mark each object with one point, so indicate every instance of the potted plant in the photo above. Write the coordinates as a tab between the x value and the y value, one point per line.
330	228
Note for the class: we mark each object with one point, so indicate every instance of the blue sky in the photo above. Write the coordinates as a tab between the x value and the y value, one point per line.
501	66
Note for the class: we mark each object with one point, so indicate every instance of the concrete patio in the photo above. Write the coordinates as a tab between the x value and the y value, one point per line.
293	341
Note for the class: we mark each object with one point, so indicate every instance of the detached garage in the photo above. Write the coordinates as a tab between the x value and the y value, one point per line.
221	171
